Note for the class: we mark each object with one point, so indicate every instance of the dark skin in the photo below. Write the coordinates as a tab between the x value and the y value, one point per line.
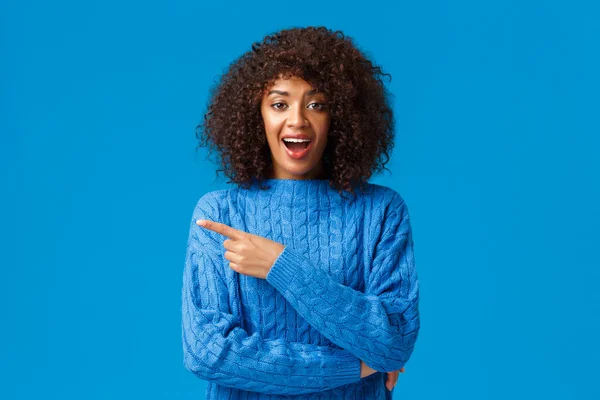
290	106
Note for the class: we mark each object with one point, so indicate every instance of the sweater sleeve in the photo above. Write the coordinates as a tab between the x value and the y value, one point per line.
215	346
380	326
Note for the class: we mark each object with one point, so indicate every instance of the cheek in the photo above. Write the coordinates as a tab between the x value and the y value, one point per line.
272	124
322	127
272	134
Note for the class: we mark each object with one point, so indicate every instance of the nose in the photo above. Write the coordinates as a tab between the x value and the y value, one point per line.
296	118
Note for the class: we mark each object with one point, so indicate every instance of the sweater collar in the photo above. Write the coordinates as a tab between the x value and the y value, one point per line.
289	186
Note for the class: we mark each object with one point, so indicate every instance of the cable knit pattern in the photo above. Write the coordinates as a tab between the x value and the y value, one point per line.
344	289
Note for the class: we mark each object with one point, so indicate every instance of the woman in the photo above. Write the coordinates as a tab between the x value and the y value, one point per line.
292	288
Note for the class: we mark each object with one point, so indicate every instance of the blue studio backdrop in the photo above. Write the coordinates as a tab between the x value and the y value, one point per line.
496	107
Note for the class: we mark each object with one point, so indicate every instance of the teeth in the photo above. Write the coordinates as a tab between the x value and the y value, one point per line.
292	140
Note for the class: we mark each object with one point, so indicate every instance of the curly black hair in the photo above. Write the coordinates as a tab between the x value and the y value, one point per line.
360	134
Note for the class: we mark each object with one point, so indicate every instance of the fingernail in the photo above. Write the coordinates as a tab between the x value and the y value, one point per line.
200	222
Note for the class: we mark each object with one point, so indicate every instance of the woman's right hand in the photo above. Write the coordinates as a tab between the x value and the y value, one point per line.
365	370
392	377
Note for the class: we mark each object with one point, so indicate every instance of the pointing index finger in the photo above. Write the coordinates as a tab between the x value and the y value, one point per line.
218	227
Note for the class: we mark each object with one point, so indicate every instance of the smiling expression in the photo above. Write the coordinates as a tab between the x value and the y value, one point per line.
292	108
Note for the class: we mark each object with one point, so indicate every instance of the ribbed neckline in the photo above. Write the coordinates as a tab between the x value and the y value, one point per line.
277	182
285	187
288	186
299	181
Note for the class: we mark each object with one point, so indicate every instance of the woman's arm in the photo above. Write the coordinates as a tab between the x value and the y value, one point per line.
217	349
380	326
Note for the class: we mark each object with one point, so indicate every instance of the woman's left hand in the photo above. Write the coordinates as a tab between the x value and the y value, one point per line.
248	254
392	378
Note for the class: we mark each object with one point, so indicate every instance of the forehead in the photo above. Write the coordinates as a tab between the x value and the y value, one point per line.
293	85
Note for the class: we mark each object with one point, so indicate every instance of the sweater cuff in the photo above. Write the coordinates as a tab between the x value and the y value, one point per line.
346	370
284	268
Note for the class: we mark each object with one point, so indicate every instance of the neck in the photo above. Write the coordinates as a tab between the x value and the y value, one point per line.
320	175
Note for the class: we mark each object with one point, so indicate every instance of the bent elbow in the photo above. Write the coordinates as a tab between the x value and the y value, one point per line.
195	363
400	350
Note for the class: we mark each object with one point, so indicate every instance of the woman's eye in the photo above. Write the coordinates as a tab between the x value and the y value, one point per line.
278	106
317	106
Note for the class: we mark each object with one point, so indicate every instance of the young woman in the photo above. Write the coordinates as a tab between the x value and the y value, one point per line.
300	281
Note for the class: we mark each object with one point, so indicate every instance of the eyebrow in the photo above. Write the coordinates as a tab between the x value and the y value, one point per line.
282	93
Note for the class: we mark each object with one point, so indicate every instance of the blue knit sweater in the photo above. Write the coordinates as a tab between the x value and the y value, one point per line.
344	289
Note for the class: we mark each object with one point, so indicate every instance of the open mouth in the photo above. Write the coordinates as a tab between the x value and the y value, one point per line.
297	148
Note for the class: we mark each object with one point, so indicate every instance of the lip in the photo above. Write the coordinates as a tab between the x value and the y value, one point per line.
298	155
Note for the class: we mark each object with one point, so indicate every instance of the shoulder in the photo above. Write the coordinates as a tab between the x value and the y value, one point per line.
386	198
388	212
211	205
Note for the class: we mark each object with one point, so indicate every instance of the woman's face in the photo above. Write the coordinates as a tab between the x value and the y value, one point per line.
292	109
